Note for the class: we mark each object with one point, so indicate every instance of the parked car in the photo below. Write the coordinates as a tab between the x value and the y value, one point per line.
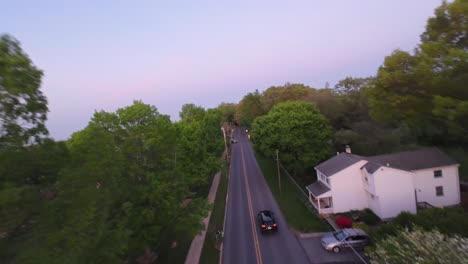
266	221
345	238
233	140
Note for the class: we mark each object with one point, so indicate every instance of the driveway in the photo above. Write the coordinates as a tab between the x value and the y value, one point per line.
315	252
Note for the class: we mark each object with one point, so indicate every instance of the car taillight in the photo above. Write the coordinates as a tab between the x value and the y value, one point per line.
274	225
263	226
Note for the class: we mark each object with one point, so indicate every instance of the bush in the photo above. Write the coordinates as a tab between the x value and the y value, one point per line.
344	222
368	217
449	221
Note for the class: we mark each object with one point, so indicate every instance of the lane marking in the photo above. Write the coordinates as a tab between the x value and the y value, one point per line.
258	253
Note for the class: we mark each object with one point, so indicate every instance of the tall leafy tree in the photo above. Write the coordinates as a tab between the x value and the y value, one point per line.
23	107
427	90
249	108
298	130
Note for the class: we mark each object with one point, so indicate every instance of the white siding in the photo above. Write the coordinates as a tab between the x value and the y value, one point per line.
347	189
395	192
425	183
374	203
368	181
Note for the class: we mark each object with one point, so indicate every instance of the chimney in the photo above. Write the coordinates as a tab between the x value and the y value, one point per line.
347	149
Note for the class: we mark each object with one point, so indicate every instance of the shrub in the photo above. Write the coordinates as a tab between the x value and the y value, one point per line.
368	217
344	222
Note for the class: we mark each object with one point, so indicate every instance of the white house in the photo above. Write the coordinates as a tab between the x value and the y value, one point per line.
386	184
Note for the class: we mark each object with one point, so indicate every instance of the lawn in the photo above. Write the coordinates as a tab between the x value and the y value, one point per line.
291	201
210	253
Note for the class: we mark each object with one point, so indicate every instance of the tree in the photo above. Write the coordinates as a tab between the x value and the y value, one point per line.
419	246
249	108
427	90
297	130
228	111
288	92
191	112
23	107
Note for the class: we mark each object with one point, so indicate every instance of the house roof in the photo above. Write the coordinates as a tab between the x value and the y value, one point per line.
317	188
338	163
410	160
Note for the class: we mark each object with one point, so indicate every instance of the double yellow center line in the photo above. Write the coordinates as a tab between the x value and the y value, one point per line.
251	214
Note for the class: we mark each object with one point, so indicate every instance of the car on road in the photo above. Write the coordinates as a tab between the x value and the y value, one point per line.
343	238
233	140
266	221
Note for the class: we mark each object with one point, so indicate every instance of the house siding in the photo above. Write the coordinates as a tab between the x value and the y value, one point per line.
348	190
425	184
395	192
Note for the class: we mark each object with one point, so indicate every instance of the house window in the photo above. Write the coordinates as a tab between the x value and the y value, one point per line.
437	173
328	181
439	191
367	180
372	196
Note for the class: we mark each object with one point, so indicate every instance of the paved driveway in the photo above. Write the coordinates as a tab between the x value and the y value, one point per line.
317	254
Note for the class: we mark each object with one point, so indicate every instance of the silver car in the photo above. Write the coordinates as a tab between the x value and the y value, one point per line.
345	238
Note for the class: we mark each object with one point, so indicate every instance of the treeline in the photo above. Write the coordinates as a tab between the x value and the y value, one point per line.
130	187
417	98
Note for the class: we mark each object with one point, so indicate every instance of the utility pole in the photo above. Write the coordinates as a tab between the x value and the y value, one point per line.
277	165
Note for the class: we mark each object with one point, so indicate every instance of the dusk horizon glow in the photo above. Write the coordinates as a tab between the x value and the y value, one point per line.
104	55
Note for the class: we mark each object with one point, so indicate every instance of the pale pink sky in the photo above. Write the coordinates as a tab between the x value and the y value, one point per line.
105	54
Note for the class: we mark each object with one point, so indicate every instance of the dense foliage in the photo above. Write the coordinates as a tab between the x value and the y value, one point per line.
23	107
124	188
427	90
449	221
297	130
419	246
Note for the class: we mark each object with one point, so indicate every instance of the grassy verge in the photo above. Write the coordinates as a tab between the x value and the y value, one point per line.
210	253
298	216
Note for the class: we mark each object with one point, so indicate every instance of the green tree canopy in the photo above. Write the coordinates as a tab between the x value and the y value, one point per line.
23	107
249	108
298	130
427	90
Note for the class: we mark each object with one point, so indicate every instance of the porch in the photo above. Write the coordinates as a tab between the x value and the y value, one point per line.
320	197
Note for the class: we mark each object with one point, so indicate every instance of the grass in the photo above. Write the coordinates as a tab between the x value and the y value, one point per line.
290	200
210	253
461	156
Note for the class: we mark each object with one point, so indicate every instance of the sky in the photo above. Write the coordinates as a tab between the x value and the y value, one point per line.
103	55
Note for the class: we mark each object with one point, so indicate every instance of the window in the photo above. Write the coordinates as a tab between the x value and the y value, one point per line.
328	181
367	180
439	191
437	173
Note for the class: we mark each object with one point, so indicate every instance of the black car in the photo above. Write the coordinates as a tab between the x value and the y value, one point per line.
266	221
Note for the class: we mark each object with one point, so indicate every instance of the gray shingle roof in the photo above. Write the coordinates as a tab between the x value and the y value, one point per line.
407	160
317	188
338	163
411	160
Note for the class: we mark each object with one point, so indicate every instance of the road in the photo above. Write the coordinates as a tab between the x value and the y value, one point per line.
248	193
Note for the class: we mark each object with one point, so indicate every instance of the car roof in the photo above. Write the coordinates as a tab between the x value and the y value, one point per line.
354	232
266	212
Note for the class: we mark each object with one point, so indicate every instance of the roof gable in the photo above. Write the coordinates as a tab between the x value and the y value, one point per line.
338	163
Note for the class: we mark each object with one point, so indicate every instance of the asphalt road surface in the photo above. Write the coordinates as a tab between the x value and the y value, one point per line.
248	193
